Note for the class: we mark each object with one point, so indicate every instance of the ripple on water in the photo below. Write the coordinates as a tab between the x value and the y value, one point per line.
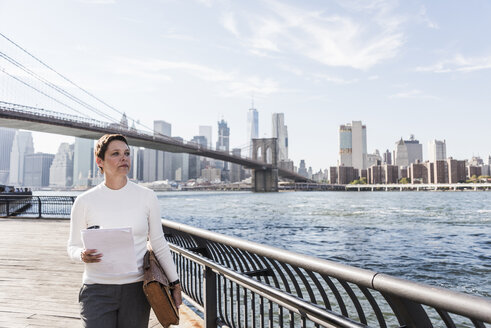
437	238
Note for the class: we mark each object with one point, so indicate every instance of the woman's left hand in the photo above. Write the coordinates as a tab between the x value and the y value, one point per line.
176	294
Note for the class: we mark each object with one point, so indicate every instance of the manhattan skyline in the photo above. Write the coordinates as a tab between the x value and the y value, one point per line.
401	68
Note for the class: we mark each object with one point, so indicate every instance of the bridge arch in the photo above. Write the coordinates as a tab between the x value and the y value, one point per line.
265	150
269	155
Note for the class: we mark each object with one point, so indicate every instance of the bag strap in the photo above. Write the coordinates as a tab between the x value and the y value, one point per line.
146	261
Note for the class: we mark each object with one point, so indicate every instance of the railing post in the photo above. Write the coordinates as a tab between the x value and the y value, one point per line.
7	206
210	299
39	207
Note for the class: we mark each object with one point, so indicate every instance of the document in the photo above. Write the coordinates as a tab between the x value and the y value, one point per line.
117	248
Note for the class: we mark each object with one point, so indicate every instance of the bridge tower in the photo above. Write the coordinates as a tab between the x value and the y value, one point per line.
265	179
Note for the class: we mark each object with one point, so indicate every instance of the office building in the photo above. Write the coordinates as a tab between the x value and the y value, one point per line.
387	157
36	169
280	131
133	174
21	145
61	170
223	143
437	150
374	159
252	127
353	145
149	166
414	150
6	139
206	131
180	164
302	169
236	169
163	159
83	161
194	160
401	157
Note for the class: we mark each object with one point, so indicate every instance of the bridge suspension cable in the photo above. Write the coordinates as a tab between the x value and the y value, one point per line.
99	112
55	87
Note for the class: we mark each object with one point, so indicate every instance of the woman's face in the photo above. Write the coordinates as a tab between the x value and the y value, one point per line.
117	160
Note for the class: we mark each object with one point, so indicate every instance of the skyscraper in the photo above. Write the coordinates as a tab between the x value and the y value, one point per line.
280	131
180	164
401	154
353	145
235	169
22	145
164	159
195	160
302	170
61	170
36	169
83	158
252	127
387	157
437	150
205	131
223	142
6	139
414	150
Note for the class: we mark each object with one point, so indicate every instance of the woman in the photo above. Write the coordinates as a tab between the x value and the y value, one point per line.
117	300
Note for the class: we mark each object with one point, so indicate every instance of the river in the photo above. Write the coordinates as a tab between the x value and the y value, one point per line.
438	238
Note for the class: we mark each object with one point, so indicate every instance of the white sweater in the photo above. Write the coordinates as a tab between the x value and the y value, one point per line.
131	206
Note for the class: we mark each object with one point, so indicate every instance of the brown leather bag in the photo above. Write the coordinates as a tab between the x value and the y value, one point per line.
158	292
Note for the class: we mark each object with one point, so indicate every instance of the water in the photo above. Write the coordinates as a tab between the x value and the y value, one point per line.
438	238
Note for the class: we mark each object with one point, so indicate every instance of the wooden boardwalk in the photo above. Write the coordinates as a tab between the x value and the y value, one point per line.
39	284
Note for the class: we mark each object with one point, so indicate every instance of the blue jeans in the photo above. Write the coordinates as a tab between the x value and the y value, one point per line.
114	306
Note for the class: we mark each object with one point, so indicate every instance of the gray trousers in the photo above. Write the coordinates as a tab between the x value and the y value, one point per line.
114	306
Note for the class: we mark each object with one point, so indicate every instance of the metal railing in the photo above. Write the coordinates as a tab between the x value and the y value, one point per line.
236	283
36	206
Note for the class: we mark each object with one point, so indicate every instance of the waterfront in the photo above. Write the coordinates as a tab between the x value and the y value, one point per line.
439	238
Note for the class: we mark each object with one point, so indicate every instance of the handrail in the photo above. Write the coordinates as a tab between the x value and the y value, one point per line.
35	206
291	302
404	297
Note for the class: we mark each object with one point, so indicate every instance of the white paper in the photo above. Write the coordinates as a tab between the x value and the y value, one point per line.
117	248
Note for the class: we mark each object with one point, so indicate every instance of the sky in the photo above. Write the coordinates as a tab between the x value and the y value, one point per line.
401	67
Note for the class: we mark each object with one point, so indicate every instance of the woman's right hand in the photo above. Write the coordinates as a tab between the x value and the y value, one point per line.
90	256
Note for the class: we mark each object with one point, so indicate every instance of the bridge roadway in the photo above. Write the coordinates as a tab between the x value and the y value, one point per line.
41	120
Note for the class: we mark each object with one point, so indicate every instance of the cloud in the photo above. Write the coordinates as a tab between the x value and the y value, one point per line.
99	2
230	83
423	16
327	38
229	23
412	94
458	64
334	79
207	3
